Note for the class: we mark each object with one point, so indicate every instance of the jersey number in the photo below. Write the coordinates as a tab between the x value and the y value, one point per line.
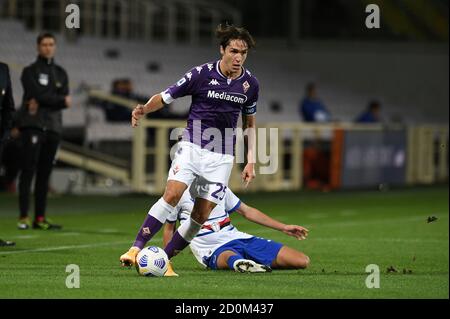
220	192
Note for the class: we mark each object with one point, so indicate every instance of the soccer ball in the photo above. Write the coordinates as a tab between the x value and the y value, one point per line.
152	261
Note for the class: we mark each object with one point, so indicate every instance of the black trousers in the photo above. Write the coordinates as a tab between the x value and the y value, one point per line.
38	156
1	150
10	159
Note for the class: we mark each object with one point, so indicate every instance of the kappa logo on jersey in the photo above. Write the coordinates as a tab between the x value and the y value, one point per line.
210	66
246	86
233	97
214	82
199	69
189	75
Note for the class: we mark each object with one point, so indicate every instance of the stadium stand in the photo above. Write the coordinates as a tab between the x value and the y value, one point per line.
344	85
404	76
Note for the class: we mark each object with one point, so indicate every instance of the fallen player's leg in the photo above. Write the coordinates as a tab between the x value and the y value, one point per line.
256	255
247	265
289	258
232	260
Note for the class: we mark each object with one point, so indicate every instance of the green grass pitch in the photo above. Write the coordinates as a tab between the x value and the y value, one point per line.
348	231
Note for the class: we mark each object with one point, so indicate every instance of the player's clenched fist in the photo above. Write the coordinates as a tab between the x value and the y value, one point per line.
137	113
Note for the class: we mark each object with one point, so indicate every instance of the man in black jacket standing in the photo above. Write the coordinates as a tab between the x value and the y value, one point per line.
46	94
6	113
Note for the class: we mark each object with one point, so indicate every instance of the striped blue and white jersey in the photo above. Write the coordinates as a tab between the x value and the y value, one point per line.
216	231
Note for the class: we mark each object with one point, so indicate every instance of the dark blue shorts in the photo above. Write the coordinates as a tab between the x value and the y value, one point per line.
263	251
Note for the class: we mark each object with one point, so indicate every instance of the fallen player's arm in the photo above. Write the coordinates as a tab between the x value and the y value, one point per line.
169	230
258	217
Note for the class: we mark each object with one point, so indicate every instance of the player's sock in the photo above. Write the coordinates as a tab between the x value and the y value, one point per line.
175	245
182	237
231	260
40	219
150	227
153	222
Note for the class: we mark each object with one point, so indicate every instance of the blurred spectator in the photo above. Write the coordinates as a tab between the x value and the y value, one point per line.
316	154
316	165
371	114
6	111
6	104
312	109
275	107
119	113
7	134
11	166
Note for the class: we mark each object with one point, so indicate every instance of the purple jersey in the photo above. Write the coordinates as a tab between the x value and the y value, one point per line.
216	104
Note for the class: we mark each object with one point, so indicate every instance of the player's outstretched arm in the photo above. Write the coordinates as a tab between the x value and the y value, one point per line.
249	126
154	104
258	217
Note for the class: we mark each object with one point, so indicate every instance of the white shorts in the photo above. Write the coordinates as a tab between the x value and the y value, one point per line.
205	172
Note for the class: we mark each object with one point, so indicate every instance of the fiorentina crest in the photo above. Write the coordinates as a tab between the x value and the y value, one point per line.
245	86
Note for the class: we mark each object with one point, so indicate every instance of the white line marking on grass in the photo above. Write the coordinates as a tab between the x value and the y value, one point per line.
344	224
258	232
108	230
348	212
399	240
68	234
23	236
318	215
376	221
39	250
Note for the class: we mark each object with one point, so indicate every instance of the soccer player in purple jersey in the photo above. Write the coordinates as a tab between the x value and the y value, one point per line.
220	91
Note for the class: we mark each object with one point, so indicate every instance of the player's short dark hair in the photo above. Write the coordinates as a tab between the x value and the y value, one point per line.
374	104
226	33
310	86
44	35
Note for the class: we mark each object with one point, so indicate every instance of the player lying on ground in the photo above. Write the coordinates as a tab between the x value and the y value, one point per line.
221	91
219	245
